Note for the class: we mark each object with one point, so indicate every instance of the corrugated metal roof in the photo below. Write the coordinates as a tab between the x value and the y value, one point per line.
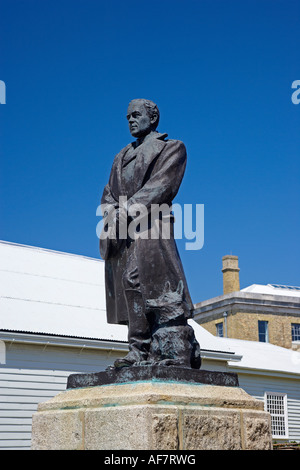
273	289
263	356
45	291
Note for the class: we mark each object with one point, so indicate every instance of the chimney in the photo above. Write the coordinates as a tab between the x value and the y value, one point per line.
231	277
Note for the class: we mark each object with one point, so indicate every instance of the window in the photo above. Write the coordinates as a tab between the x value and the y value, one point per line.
219	327
263	333
295	331
276	405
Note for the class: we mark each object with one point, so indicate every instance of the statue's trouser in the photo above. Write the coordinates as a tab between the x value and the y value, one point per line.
139	332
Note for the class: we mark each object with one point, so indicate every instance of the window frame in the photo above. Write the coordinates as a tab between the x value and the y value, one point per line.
284	415
266	332
217	329
297	325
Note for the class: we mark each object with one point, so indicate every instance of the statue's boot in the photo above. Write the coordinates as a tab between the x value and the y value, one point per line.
139	333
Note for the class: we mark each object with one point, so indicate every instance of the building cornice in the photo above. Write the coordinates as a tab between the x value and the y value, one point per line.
247	302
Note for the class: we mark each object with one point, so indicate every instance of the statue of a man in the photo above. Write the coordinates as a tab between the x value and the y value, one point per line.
145	282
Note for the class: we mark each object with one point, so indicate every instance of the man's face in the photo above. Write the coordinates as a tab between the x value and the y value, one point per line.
140	124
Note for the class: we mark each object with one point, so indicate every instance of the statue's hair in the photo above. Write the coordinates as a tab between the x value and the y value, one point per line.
151	109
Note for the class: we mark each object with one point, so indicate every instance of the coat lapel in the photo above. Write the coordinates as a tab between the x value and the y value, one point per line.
147	152
115	181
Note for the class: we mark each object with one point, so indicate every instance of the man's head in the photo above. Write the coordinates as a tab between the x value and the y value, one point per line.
143	117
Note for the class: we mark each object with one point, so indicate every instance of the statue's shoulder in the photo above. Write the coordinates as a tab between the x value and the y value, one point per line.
176	143
164	138
127	147
123	151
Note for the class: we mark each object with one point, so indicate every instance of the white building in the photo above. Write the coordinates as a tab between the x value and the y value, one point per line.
53	323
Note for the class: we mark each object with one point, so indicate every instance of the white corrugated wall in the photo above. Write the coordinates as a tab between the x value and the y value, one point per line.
257	385
33	374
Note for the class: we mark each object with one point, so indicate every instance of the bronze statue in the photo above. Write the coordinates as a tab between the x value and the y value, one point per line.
145	282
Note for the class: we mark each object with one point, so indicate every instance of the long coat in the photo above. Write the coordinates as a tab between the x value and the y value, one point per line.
158	172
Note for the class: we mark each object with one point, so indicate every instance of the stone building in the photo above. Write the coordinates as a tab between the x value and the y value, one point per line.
266	313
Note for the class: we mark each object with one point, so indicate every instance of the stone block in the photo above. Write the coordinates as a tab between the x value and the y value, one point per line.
58	430
116	427
257	429
165	430
211	430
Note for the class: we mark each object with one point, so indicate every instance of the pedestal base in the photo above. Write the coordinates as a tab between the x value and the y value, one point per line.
152	373
152	415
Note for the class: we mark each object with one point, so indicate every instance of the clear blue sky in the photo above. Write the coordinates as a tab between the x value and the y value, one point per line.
221	74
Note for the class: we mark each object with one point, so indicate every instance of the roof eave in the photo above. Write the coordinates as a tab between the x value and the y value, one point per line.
101	344
64	341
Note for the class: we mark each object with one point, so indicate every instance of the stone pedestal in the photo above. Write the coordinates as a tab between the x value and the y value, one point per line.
154	414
